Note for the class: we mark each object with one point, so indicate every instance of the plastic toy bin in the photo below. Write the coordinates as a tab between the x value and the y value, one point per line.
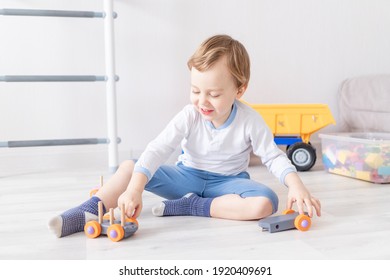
364	156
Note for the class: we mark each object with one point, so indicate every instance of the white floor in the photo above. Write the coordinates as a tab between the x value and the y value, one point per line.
355	223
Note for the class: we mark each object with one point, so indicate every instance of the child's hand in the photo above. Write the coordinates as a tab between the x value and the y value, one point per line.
298	194
302	197
132	197
132	201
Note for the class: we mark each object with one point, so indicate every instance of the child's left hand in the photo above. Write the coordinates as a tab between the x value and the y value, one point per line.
299	194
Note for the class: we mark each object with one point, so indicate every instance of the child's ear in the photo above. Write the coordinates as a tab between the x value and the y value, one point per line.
241	91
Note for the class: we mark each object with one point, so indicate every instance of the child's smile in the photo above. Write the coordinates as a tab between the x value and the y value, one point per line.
206	111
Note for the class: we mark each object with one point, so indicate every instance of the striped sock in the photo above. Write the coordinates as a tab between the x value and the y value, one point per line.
73	220
188	205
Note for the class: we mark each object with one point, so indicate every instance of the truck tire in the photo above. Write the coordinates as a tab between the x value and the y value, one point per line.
302	156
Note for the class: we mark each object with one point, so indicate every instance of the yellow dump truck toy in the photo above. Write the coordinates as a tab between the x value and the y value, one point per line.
292	125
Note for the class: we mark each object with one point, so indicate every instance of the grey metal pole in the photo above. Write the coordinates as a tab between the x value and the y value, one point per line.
56	142
52	78
52	13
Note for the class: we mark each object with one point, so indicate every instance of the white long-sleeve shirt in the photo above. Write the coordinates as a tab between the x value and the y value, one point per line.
225	150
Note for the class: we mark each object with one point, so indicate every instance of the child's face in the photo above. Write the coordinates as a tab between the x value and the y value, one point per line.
213	92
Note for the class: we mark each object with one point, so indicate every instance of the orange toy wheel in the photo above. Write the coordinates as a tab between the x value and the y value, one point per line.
302	222
288	211
106	217
131	220
115	232
92	229
93	192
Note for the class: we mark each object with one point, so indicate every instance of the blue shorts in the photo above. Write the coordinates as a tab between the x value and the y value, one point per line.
175	181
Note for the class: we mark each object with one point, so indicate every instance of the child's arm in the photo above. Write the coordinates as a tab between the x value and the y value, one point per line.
298	193
155	154
132	196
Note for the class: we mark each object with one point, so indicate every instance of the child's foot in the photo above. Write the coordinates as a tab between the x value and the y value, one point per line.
73	220
188	205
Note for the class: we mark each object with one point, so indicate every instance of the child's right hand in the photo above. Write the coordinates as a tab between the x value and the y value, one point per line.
132	201
132	197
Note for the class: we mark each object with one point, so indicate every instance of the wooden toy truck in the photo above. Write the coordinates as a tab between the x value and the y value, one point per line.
292	125
289	220
107	225
115	230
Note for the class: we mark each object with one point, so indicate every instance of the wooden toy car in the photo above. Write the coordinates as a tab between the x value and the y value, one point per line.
289	220
115	230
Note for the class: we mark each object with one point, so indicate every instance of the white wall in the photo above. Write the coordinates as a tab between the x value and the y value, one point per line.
301	50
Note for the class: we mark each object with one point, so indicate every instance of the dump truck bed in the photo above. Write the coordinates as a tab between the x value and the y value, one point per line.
295	119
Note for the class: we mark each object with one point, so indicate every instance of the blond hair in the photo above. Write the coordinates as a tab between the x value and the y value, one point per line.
214	48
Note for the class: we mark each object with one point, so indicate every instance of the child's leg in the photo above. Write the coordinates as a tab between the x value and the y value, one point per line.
229	206
182	186
230	197
189	205
116	185
73	220
241	198
235	207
